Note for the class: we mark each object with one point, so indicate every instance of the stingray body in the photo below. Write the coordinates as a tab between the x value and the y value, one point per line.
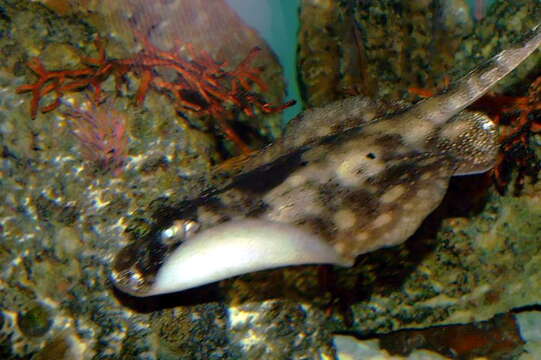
345	179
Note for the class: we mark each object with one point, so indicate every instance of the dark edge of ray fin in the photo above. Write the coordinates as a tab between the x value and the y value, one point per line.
476	83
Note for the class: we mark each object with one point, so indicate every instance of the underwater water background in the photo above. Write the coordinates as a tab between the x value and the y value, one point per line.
278	24
129	123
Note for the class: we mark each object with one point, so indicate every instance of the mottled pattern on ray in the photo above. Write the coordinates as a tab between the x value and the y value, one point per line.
361	192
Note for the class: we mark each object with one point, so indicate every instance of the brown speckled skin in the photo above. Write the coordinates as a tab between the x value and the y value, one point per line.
371	186
353	173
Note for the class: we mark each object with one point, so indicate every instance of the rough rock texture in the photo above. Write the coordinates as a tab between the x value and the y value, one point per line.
62	217
475	256
61	220
383	48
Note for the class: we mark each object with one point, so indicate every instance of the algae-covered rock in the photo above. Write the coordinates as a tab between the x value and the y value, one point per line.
64	214
62	220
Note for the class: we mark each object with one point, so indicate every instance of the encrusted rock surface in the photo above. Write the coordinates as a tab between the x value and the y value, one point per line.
62	220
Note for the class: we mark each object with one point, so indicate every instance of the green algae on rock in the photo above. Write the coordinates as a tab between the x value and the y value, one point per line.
417	284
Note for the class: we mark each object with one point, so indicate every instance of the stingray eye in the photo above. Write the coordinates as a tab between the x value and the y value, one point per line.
180	230
371	155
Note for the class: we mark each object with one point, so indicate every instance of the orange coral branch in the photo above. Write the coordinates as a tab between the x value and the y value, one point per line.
200	85
515	135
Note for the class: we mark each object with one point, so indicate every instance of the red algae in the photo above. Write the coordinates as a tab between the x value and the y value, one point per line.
200	85
102	134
